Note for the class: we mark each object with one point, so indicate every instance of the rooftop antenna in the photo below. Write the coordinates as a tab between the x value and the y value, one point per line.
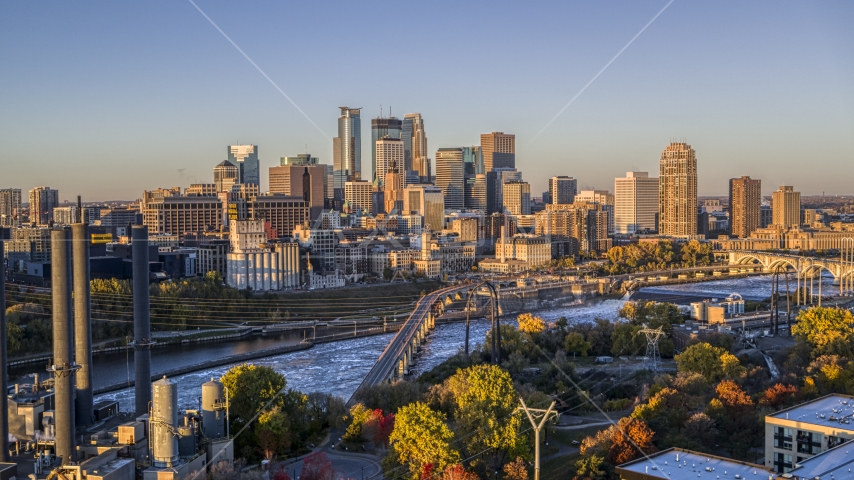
381	110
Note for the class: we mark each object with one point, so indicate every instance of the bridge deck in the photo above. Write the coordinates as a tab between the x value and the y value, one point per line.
388	360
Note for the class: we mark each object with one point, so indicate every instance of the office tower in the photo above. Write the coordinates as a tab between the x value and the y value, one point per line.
347	150
383	128
427	201
517	198
282	212
786	207
226	174
499	150
306	159
357	195
677	190
393	190
10	207
245	158
766	216
745	201
603	198
414	145
389	151
562	189
450	176
177	215
473	160
495	180
584	224
475	192
635	203
306	181
42	202
421	166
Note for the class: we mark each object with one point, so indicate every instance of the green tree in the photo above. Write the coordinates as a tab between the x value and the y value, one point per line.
590	468
421	437
274	432
625	340
576	344
713	363
485	400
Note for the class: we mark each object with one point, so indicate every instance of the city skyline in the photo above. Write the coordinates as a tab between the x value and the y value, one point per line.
783	85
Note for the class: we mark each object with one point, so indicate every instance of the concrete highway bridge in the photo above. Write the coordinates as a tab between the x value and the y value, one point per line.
807	269
396	359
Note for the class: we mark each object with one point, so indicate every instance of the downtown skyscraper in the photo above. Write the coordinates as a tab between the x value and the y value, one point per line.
677	190
245	158
499	150
382	127
347	150
415	146
745	204
635	203
450	176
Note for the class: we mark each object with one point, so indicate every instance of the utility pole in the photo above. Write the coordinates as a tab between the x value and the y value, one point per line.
535	414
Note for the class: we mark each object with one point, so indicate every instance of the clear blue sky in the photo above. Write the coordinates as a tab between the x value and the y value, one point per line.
106	99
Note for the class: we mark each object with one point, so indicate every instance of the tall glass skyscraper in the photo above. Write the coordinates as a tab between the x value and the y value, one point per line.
415	145
245	157
380	128
473	160
347	150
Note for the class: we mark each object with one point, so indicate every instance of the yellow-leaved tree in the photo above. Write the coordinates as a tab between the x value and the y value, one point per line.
530	324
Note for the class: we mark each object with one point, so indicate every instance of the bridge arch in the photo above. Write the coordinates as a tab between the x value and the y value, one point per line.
496	324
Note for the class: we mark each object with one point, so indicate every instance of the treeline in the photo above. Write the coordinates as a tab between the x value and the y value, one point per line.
192	303
660	255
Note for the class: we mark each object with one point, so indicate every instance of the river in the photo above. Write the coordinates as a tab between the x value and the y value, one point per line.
339	367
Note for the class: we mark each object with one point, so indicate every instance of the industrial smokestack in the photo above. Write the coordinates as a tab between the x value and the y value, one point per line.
141	319
82	323
63	365
4	400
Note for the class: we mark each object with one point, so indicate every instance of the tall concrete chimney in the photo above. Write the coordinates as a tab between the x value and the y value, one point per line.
4	400
141	319
63	367
82	323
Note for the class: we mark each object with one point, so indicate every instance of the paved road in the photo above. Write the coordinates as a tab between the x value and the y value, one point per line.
388	360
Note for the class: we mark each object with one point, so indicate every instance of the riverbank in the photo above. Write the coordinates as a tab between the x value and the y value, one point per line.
244	357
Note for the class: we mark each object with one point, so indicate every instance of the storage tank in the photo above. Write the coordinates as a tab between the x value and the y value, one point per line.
213	409
164	419
187	438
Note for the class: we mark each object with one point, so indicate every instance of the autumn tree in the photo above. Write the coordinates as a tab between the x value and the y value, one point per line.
516	470
734	413
458	472
779	396
421	437
530	324
619	443
317	466
827	330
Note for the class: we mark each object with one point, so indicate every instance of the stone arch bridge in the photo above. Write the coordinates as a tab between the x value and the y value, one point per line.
806	268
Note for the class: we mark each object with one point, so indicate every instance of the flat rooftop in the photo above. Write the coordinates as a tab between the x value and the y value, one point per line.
837	462
690	466
832	410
